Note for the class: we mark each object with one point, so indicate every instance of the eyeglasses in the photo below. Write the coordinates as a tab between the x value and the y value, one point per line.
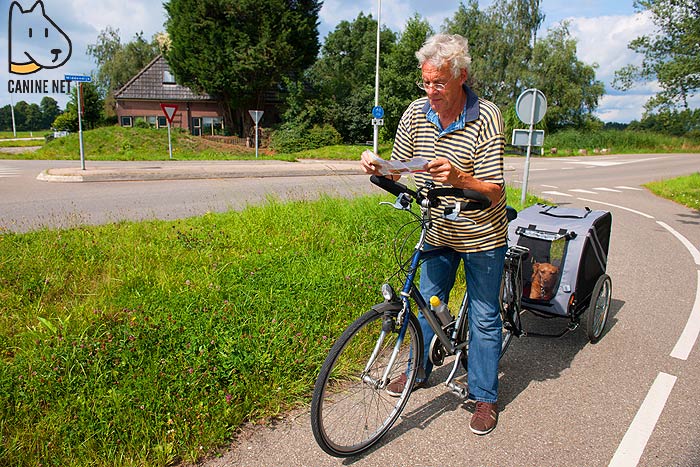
438	87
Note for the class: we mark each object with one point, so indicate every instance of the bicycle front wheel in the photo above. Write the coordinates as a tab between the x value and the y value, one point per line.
350	408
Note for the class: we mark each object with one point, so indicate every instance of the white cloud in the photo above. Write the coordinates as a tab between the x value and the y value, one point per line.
604	40
621	108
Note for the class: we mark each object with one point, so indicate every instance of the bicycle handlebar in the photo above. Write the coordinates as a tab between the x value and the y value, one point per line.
476	201
395	188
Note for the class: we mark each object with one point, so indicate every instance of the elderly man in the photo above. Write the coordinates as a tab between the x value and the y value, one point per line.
462	137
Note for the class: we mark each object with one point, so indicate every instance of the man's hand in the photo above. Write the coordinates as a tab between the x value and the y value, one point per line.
442	170
366	163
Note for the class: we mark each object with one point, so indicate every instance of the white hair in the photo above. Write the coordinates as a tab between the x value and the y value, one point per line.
442	49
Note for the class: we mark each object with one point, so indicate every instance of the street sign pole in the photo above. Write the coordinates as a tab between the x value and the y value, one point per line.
530	108
256	140
79	91
376	121
256	115
170	143
169	111
527	156
80	79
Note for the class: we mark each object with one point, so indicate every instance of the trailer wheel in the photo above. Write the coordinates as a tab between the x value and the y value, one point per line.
597	313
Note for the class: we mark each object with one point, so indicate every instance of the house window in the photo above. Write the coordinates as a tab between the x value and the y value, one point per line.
212	125
168	77
127	121
162	122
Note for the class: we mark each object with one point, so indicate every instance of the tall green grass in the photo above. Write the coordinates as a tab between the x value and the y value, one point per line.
140	344
144	343
569	142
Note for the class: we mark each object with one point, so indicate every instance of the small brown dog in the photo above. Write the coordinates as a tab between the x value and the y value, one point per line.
544	279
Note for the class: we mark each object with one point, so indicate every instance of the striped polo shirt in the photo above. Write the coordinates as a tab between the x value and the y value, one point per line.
475	145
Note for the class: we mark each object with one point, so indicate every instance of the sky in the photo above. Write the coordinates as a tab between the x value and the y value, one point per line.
603	29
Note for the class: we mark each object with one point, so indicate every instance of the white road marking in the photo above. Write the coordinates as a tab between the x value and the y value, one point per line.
629	188
635	440
692	329
690	333
558	193
610	190
581	190
616	206
686	243
610	163
7	171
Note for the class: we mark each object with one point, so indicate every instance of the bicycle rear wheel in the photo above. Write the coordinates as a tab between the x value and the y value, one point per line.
350	409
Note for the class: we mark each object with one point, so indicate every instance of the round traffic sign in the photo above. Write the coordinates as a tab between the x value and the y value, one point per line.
378	111
531	106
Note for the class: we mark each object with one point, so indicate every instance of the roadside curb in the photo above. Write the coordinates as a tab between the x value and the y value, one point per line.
240	169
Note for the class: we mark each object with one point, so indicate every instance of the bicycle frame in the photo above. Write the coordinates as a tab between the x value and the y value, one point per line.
411	292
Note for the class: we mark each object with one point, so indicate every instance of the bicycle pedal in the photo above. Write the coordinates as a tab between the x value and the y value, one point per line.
459	387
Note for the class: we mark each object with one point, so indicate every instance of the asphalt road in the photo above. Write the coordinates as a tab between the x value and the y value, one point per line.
630	399
27	203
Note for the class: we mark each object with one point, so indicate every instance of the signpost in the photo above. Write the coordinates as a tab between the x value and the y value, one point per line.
169	111
256	115
530	107
377	111
80	79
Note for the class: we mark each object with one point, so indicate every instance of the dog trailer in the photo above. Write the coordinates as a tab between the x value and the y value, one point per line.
565	274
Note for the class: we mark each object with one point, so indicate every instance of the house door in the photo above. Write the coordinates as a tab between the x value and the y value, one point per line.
197	126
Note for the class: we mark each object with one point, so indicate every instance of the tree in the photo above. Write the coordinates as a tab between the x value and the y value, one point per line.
501	40
569	84
345	75
239	50
49	111
117	63
670	55
398	83
33	118
90	101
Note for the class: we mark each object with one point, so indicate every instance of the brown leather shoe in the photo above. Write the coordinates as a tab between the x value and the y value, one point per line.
484	419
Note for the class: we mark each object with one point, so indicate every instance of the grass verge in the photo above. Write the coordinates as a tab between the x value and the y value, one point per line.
683	190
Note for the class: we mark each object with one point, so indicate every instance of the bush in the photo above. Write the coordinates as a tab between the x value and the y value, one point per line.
67	121
295	138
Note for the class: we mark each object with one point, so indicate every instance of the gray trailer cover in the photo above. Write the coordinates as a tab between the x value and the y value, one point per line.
574	241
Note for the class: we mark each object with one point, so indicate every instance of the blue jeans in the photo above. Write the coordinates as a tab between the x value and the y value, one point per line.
483	271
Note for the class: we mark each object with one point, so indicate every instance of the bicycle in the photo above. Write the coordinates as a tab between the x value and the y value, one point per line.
350	409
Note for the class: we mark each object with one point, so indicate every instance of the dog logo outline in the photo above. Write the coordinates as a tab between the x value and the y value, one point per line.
45	45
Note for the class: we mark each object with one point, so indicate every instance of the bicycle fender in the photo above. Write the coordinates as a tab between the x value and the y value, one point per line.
388	307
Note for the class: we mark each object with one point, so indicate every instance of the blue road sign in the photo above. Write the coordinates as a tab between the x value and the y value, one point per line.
82	78
378	111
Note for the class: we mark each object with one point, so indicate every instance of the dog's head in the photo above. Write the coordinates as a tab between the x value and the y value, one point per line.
546	274
36	42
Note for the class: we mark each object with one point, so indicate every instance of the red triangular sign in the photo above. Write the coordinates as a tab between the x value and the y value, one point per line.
169	111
